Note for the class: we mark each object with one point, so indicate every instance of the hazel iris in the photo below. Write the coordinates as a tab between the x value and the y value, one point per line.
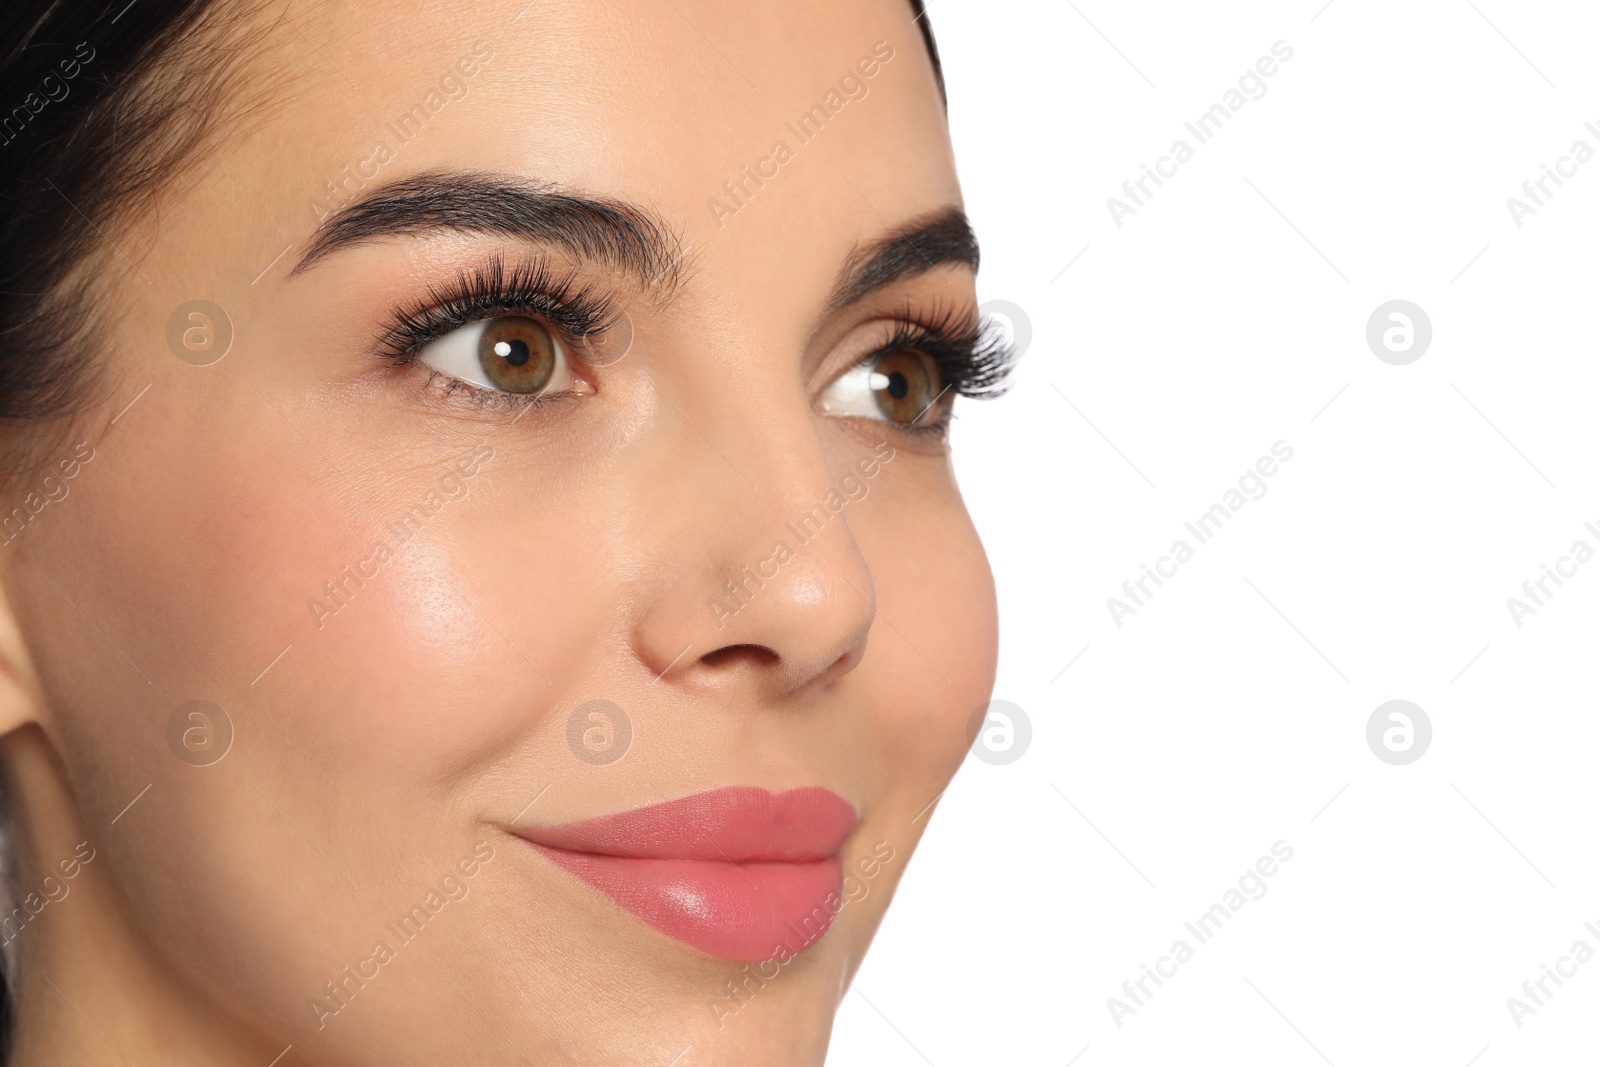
517	354
903	385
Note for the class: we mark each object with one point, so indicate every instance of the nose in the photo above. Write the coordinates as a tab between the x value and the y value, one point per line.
761	582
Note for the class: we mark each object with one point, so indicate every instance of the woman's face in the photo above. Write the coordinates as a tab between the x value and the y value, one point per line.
536	489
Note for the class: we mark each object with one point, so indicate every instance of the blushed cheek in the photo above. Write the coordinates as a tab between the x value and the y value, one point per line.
450	652
304	604
350	722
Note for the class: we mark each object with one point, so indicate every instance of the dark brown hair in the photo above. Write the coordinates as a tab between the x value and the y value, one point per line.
103	107
78	147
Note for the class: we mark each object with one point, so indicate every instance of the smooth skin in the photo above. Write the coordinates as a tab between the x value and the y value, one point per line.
373	754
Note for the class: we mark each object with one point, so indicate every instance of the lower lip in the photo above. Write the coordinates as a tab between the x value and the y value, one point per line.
738	911
739	873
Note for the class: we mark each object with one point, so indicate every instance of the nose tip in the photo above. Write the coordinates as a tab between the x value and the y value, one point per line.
801	668
796	619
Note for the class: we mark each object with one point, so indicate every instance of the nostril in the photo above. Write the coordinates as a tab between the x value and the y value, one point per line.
731	655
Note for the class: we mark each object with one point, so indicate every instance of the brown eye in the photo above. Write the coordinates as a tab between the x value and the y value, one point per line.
904	385
517	354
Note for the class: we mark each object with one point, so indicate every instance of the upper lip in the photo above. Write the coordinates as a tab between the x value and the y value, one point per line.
739	824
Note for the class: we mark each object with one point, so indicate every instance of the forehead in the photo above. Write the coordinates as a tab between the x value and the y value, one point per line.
770	130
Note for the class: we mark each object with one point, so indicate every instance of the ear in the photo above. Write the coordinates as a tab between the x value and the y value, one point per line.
20	698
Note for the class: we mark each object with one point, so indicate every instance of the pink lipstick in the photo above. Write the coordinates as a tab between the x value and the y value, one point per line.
739	873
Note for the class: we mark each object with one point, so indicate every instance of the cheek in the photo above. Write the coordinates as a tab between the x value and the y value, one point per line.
456	649
937	632
949	583
427	635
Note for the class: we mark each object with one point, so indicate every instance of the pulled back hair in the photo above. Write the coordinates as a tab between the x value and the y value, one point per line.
101	105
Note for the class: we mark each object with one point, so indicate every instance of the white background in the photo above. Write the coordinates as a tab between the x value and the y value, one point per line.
1229	711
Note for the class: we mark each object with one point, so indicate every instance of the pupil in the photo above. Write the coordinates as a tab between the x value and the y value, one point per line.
898	386
514	352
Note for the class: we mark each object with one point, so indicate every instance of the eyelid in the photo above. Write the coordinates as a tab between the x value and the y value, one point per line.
532	288
974	356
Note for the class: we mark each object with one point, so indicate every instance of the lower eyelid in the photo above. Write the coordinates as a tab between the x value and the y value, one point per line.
460	391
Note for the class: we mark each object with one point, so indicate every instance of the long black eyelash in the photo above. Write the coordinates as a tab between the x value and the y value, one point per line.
490	290
974	357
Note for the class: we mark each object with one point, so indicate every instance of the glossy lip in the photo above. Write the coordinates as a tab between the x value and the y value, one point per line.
740	873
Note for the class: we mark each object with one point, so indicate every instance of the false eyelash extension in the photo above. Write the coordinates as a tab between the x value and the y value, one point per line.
975	359
490	290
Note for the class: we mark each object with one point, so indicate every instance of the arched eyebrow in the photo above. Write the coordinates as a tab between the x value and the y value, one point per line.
621	235
924	244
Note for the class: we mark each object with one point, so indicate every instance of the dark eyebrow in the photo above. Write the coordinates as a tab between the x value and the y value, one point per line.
943	236
613	232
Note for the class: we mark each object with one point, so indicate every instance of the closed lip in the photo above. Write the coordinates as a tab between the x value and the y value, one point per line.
740	872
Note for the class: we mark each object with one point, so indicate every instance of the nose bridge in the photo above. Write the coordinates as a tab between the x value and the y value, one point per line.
760	574
794	534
